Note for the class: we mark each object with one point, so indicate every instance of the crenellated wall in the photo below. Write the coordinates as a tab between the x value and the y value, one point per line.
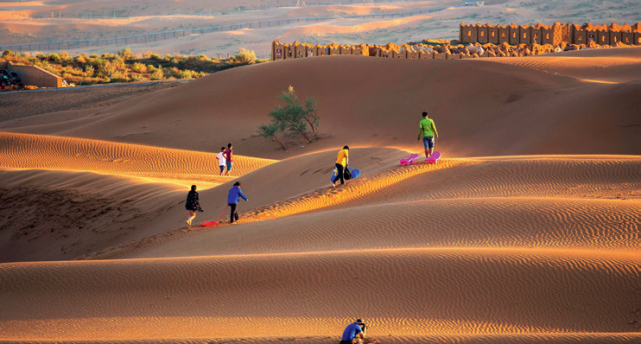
555	34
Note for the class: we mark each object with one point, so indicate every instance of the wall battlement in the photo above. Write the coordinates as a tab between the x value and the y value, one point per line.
555	34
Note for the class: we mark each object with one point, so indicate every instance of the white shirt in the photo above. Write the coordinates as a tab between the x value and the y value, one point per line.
221	159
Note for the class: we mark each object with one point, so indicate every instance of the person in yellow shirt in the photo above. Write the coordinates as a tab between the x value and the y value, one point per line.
342	160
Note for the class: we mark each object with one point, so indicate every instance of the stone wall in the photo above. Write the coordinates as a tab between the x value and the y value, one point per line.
555	34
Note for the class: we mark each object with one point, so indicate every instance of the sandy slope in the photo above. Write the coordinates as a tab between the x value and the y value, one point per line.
519	246
480	108
498	248
20	151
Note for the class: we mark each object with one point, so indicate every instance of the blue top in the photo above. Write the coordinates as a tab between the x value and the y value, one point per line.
234	195
351	331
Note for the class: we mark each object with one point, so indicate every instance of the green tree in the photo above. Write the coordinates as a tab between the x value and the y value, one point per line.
271	133
296	118
292	120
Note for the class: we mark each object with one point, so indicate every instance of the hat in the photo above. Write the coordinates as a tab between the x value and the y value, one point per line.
360	321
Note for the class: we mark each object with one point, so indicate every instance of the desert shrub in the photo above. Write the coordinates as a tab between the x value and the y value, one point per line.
89	70
245	56
202	58
136	78
167	58
151	68
94	56
53	57
186	74
146	54
126	54
64	54
157	75
293	120
41	56
139	67
81	59
7	54
155	56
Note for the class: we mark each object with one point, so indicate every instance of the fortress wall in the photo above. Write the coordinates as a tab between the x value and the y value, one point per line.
493	34
482	33
504	34
514	34
498	41
556	34
525	35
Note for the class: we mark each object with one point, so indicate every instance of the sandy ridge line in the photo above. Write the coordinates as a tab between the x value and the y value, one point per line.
549	255
42	152
313	201
512	338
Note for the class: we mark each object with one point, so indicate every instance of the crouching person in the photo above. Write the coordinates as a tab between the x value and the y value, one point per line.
354	332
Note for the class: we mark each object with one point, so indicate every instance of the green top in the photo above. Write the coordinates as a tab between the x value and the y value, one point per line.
427	128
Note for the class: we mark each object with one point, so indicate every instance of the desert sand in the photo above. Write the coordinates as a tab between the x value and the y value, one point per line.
526	231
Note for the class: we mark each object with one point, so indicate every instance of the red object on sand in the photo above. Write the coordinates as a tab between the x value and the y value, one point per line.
213	223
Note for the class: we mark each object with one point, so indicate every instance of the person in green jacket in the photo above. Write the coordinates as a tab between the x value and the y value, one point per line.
428	129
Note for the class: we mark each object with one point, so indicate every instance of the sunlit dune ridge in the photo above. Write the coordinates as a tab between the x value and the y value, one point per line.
26	151
400	292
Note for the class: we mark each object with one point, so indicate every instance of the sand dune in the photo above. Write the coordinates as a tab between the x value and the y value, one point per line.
409	292
605	65
508	110
19	151
472	203
508	239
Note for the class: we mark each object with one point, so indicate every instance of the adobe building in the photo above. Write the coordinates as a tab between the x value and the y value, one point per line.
346	49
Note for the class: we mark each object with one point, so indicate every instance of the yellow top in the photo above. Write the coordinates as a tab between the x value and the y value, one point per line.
342	157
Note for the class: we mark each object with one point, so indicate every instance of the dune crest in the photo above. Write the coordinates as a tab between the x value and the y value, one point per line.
24	151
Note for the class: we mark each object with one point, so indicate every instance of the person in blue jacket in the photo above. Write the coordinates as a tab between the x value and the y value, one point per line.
354	330
235	193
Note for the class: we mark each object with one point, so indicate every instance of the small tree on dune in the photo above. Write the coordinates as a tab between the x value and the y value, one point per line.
293	120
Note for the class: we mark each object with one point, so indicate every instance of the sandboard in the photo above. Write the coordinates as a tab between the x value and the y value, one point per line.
408	161
208	224
355	174
433	159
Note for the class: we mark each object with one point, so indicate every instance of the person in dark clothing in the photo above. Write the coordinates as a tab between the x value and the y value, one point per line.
235	193
355	330
192	205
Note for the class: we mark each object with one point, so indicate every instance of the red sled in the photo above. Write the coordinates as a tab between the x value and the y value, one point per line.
213	223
